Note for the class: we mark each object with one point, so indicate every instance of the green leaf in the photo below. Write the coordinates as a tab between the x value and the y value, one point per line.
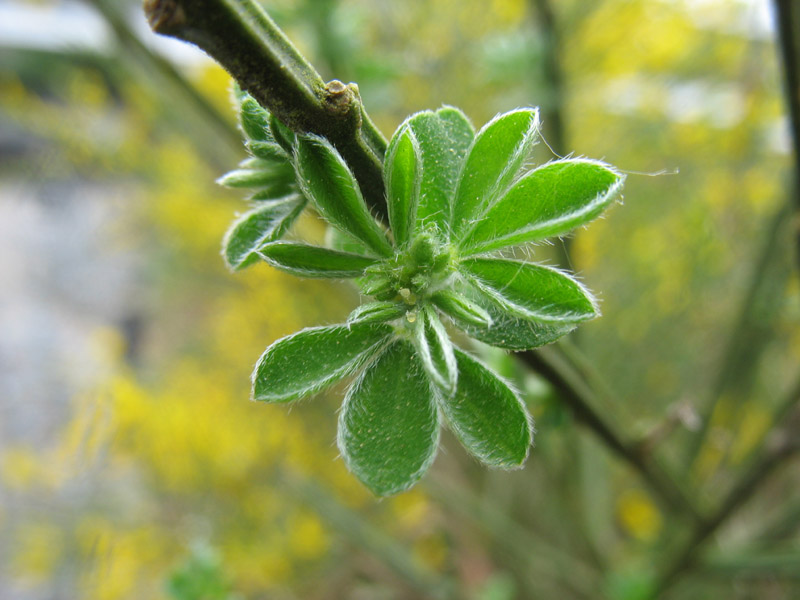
313	261
389	425
436	351
247	178
549	201
458	307
378	285
506	330
254	228
531	291
444	137
281	183
494	159
267	151
254	120
402	177
308	361
276	190
284	136
338	240
378	312
327	181
256	164
487	416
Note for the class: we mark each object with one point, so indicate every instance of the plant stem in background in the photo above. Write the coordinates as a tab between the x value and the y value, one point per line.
781	446
552	108
749	334
787	14
538	557
574	391
365	536
240	36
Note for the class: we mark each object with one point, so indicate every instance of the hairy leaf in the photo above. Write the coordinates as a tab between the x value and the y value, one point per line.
327	181
254	228
270	150
378	312
506	330
276	190
443	138
247	178
457	306
402	174
531	291
312	359
304	260
339	240
254	120
487	416
284	136
494	159
549	201
389	426
436	351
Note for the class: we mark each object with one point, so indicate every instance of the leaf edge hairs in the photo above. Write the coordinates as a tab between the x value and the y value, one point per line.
457	202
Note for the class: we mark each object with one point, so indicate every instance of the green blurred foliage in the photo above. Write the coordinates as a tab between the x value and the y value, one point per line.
172	450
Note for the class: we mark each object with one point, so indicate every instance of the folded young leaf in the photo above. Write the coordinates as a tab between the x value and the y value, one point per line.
313	261
336	239
389	425
506	330
443	138
487	416
458	307
494	159
247	178
270	151
531	291
327	181
436	351
378	312
549	201
254	120
282	135
275	190
378	285
312	359
402	175
263	224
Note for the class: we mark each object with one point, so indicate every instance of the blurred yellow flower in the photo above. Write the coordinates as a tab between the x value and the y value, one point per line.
638	515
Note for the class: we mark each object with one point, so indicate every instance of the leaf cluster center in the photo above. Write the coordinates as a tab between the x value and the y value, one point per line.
421	268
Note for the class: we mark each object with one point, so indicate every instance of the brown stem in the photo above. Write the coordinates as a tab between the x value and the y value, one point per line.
241	37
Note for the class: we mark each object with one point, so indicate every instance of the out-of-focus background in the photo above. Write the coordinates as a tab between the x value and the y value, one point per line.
132	463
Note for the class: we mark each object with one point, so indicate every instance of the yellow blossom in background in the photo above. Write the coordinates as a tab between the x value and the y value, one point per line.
754	422
638	516
38	549
432	551
20	468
